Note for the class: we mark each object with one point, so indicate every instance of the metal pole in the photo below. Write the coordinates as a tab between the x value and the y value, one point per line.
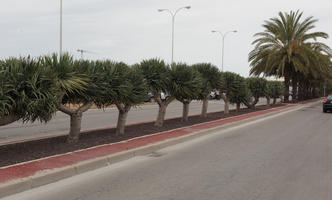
222	54
60	29
223	45
173	25
324	92
173	22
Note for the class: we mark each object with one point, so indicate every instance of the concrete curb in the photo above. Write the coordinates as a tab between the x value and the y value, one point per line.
56	174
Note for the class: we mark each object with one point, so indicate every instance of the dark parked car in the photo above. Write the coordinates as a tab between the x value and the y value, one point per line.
327	103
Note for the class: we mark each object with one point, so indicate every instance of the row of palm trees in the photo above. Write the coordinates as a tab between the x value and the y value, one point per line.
289	48
34	89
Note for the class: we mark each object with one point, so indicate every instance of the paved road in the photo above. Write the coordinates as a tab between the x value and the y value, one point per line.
95	118
285	157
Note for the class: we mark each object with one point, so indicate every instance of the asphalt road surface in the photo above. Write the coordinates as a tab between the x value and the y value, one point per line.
283	157
95	118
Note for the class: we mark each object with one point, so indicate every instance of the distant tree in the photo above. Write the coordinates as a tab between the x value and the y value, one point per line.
230	86
186	85
258	88
27	92
157	76
274	91
211	80
240	93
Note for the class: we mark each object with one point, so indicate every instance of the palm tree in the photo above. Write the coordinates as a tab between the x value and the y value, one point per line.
258	88
157	76
286	47
274	91
76	85
186	86
125	87
211	80
233	90
27	91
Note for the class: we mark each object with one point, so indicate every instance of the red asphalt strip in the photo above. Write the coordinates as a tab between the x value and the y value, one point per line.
31	168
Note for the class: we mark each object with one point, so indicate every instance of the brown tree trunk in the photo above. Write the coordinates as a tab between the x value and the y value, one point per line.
122	118
294	89
120	127
226	106
162	109
8	119
268	101
253	105
185	111
75	120
286	92
238	107
274	101
75	127
161	116
204	108
301	90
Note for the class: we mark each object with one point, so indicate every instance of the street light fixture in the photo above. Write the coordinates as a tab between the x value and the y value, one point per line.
223	42
173	14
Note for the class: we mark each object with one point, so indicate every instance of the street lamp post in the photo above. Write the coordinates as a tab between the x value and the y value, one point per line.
173	14
60	53
223	45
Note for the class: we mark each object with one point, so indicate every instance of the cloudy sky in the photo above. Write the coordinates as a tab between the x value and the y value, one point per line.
133	30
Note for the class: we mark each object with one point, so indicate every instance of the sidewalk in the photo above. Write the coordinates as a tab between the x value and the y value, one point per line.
24	176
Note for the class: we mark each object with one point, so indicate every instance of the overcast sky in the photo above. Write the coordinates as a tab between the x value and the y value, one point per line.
133	30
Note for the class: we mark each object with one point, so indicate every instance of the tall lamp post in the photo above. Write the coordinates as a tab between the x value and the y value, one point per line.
173	14
223	45
60	53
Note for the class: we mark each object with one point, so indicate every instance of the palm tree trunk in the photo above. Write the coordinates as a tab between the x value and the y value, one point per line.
301	91
274	101
8	119
162	109
268	101
161	116
294	89
286	83
185	111
226	101
75	127
253	105
238	107
226	107
75	121
121	124
205	108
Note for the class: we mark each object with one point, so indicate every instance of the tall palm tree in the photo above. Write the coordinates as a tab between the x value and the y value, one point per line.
286	47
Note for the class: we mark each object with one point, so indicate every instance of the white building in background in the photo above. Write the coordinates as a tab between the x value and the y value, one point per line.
271	78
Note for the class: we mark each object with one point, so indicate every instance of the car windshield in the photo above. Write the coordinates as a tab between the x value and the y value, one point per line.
329	97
